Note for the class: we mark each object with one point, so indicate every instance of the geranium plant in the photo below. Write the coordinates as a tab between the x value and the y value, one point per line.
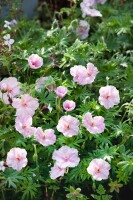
66	107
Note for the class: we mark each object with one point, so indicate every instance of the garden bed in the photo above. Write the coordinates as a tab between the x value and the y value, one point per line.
66	107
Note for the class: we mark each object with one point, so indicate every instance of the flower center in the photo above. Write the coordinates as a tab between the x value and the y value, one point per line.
44	137
92	123
81	30
18	158
107	96
33	62
98	170
67	127
24	103
23	126
10	90
68	106
66	158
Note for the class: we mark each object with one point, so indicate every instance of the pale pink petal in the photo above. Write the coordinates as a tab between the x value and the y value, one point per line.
46	137
99	169
16	158
66	157
57	171
69	105
27	105
109	96
35	61
68	125
61	91
94	125
79	74
12	87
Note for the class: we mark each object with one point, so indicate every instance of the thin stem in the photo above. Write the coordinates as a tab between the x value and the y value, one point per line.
3	195
58	101
46	193
36	158
52	195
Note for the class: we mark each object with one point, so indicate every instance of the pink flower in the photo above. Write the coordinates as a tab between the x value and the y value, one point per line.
93	124
93	13
16	158
79	74
57	171
45	138
23	125
68	125
26	105
88	3
3	87
83	30
66	157
69	105
92	71
88	8
99	169
35	61
61	91
11	88
13	22
82	75
109	96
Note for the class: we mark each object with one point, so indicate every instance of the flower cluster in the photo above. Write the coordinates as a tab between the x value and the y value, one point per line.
25	109
7	38
10	24
65	157
88	8
68	125
66	103
84	75
23	124
9	88
93	124
26	105
45	138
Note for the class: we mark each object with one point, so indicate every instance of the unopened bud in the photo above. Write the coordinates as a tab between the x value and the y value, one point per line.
107	78
3	87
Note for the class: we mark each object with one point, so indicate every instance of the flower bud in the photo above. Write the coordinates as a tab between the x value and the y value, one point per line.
3	87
